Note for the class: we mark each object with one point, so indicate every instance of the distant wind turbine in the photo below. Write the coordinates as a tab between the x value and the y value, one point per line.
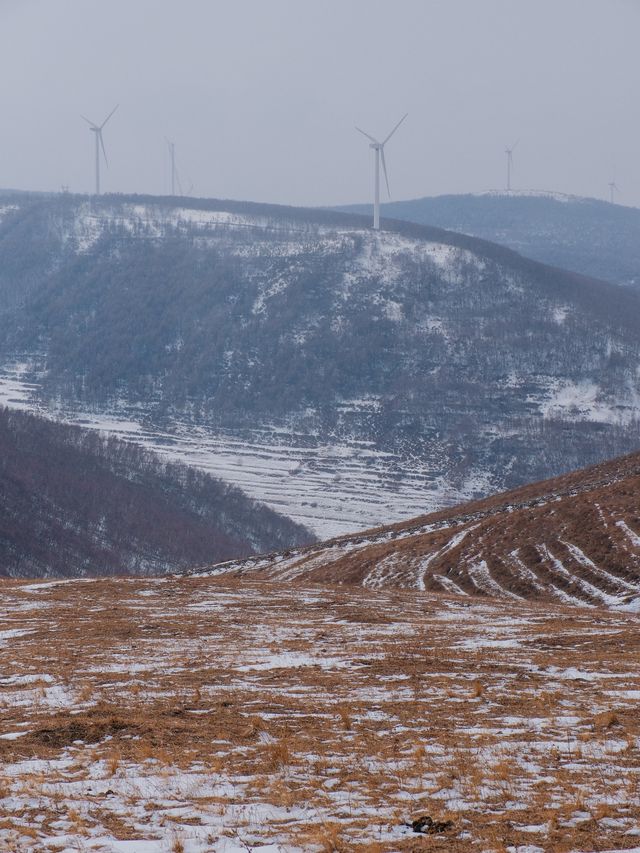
97	129
172	155
509	153
175	175
613	189
378	147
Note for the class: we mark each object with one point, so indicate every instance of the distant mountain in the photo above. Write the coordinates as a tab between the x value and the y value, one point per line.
399	371
75	503
586	235
572	540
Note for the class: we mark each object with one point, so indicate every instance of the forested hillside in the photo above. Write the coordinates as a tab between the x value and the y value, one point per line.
441	366
74	502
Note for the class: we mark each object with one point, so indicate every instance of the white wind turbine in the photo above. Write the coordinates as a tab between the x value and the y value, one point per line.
174	172
613	189
378	147
509	153
175	175
97	129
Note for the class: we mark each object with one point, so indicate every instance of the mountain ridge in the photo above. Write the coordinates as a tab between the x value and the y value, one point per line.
591	236
435	365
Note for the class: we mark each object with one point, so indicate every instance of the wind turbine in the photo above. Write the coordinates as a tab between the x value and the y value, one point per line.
175	175
509	153
613	189
378	147
172	155
97	129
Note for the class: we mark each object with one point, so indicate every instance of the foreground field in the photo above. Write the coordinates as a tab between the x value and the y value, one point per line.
207	714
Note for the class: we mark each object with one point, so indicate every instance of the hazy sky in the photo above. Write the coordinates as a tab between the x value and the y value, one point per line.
261	96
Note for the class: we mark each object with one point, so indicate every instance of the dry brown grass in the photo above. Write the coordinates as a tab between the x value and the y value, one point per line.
605	720
567	530
344	713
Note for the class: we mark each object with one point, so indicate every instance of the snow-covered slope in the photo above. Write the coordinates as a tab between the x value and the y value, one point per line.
331	486
348	377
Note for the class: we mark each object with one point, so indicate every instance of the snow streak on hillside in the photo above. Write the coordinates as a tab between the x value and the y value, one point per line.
590	236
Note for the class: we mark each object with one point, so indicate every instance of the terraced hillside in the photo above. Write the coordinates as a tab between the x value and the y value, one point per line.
574	539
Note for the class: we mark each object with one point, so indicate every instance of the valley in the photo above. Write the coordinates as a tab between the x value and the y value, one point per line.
330	488
77	502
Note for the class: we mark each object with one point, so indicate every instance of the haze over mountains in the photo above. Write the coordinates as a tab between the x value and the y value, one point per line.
436	367
587	235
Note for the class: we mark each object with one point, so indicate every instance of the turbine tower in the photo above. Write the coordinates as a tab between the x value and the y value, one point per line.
378	147
97	129
172	155
509	153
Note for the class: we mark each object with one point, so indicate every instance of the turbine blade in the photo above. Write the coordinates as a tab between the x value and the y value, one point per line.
514	144
368	135
109	116
103	148
384	169
90	123
395	128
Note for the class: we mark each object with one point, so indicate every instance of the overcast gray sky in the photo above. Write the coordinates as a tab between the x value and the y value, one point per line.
261	96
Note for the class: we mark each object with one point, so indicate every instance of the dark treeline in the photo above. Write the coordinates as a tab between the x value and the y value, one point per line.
75	502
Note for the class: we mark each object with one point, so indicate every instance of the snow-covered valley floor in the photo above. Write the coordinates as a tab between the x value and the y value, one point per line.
331	488
198	714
